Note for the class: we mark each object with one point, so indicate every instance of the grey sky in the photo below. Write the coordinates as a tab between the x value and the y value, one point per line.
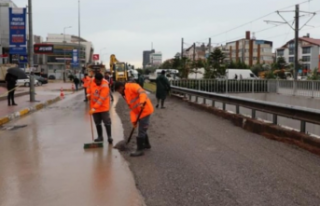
127	27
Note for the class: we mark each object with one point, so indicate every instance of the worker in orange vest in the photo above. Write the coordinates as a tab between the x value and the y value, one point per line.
99	94
137	99
86	80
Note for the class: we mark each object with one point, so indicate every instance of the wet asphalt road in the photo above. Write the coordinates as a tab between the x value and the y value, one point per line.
44	163
199	159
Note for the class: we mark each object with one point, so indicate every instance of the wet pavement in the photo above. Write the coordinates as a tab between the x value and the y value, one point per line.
44	163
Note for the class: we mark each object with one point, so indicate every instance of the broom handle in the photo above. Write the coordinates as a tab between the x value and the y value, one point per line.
91	124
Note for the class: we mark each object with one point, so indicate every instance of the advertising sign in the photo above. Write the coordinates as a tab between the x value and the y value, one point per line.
259	42
23	59
75	59
96	57
17	30
43	48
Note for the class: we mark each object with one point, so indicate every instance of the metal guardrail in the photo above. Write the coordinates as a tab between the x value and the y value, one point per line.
289	87
301	114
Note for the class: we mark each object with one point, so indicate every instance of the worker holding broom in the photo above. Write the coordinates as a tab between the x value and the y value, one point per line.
141	109
99	94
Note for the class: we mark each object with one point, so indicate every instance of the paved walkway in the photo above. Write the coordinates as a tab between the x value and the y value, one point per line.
44	163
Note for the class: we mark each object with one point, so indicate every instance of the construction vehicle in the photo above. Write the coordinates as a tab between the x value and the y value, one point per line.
94	68
120	71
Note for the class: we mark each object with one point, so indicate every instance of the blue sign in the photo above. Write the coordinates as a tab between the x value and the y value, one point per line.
17	30
75	58
23	59
259	42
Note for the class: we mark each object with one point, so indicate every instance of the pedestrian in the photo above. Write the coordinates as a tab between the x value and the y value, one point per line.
85	80
11	81
140	80
110	81
163	88
76	82
137	99
99	94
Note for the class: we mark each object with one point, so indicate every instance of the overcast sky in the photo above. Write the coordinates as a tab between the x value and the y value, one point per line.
127	27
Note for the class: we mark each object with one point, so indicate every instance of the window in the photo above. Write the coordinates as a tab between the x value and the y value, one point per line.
305	66
255	50
306	50
306	58
291	51
280	52
291	45
291	59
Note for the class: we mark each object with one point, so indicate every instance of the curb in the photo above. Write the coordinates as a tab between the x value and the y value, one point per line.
25	111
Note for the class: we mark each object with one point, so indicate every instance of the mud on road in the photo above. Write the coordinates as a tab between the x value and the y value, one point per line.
200	159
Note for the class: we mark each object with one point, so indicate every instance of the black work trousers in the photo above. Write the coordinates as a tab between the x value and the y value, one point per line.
11	95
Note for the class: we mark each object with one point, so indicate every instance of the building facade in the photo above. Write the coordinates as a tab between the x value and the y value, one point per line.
308	52
155	59
250	50
199	52
146	58
59	62
4	30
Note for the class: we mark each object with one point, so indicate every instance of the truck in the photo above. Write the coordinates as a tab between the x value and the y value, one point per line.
171	74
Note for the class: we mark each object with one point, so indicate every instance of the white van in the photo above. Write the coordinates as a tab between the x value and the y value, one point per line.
171	74
240	74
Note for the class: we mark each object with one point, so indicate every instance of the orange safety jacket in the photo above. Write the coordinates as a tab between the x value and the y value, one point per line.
99	96
86	80
135	96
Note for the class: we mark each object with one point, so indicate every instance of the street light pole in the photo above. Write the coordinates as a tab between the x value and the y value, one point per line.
79	34
64	52
32	92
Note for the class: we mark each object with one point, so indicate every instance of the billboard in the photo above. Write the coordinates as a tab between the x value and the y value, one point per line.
43	48
75	58
17	31
96	57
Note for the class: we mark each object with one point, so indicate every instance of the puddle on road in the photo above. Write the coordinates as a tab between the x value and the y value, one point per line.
12	127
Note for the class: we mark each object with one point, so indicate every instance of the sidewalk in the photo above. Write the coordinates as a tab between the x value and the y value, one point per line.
18	92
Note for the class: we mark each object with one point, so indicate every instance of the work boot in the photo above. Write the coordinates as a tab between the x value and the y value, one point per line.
147	143
108	129
139	152
99	131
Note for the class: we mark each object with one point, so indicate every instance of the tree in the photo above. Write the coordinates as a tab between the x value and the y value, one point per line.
256	69
167	64
140	71
232	65
281	63
315	75
215	65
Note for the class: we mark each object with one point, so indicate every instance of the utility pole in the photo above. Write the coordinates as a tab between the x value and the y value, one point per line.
209	46
296	33
194	57
32	92
79	46
64	53
182	48
296	43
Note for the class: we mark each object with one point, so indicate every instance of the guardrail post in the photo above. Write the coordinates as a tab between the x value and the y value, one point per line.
227	86
197	99
237	109
204	100
312	85
253	114
253	86
303	127
190	97
199	85
213	103
275	119
224	106
294	87
277	86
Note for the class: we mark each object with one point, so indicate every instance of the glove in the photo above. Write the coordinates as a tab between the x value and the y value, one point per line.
92	111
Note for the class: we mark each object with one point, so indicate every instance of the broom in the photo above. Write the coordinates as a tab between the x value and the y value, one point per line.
122	145
92	145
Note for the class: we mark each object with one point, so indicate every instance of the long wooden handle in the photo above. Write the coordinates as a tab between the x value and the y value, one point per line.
129	139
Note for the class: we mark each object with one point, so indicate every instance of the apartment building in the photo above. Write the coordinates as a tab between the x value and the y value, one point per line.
250	50
198	51
308	52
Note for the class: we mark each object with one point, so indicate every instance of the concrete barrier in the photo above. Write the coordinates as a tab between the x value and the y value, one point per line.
267	130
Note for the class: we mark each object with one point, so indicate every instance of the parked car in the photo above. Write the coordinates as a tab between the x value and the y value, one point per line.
40	79
51	77
26	82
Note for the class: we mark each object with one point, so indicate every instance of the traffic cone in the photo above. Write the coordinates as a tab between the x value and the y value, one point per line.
61	93
72	88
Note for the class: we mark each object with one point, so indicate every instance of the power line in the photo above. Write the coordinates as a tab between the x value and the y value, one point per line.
257	19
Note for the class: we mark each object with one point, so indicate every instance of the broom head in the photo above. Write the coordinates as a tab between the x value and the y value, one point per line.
93	145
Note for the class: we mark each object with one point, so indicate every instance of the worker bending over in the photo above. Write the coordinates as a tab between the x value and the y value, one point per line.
137	99
99	94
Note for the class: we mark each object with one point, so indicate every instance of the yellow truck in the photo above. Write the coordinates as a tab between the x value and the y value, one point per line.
118	69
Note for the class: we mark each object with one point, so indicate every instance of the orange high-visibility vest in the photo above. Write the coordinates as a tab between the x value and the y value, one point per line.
135	96
86	80
99	96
